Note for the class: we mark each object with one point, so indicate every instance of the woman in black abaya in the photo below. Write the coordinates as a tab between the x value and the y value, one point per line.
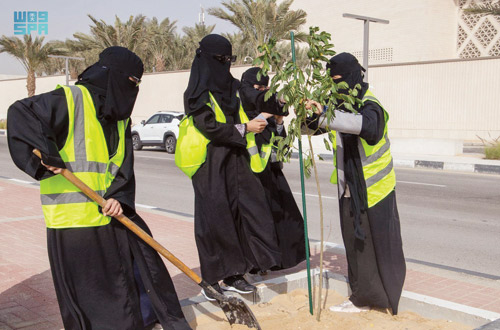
371	234
105	277
233	224
288	220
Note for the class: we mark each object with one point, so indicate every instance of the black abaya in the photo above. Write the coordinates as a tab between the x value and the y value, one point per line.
233	224
288	220
93	268
106	295
376	264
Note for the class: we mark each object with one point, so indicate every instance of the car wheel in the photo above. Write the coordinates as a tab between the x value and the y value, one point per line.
170	144
136	142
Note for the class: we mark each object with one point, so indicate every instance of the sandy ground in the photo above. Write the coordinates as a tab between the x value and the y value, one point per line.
291	312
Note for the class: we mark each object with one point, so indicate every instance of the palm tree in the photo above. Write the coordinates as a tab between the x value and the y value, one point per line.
51	67
284	48
130	34
485	9
181	55
160	38
79	49
260	20
196	33
184	47
32	54
240	48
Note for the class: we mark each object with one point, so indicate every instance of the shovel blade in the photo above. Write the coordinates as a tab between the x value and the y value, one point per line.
237	312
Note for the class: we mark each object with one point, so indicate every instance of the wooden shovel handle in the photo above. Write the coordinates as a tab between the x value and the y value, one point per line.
128	223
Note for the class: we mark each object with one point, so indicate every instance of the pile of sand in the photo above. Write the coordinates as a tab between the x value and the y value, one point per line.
291	312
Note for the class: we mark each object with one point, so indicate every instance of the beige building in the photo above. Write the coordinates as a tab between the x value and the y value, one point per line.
435	70
424	30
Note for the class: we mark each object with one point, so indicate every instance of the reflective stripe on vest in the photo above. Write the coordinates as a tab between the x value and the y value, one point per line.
85	153
378	170
334	176
258	162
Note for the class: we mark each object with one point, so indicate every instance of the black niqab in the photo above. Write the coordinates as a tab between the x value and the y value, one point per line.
348	67
249	78
114	94
211	75
249	95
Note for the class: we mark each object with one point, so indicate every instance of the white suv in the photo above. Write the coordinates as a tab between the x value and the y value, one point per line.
161	129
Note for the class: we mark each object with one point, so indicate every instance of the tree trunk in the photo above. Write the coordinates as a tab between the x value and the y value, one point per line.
316	176
160	64
73	73
30	83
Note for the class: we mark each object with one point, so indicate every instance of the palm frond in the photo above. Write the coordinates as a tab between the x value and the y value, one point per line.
484	9
260	20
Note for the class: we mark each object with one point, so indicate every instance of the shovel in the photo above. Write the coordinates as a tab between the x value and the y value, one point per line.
235	309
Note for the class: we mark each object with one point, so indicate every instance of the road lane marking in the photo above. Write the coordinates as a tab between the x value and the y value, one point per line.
31	217
21	181
145	206
422	184
311	195
153	157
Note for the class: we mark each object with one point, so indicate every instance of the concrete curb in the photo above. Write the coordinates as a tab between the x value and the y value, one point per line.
495	325
424	305
435	165
451	166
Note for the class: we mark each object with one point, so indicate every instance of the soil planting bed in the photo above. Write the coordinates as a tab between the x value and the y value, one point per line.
291	311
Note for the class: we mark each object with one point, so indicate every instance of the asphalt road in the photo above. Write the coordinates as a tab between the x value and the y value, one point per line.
448	219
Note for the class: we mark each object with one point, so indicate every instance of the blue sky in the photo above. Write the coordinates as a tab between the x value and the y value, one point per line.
67	17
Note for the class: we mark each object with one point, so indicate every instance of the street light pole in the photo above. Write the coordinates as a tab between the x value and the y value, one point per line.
67	58
366	35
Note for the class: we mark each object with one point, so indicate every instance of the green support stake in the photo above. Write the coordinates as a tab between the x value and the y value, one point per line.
304	208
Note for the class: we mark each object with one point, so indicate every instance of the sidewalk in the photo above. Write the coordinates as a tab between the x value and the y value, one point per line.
463	163
27	297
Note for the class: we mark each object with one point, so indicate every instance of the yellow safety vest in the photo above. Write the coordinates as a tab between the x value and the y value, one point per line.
378	169
191	148
85	153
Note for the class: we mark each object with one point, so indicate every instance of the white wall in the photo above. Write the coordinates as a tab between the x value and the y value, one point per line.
164	91
448	100
418	30
15	89
158	91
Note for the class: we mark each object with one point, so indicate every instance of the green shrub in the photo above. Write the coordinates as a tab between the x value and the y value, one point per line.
491	147
493	151
3	123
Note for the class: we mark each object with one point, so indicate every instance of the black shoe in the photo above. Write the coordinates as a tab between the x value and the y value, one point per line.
238	284
208	295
